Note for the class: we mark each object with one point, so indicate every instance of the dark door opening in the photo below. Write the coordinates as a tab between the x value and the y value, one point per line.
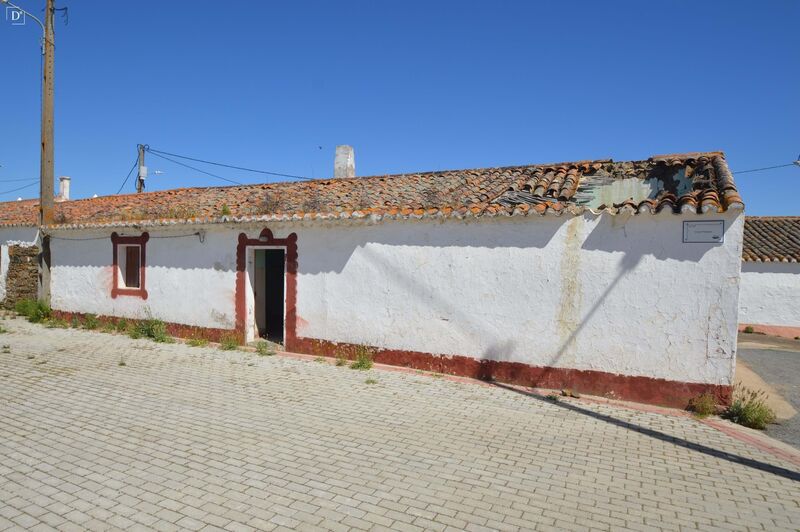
269	272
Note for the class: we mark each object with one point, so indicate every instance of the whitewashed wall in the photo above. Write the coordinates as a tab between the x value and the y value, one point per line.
187	281
12	236
586	292
770	294
604	293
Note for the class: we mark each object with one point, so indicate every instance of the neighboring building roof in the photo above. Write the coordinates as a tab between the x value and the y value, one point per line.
694	182
771	239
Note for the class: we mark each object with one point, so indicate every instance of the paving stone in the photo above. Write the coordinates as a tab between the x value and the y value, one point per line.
185	438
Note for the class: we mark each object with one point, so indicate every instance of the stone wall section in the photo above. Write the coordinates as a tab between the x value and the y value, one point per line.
23	274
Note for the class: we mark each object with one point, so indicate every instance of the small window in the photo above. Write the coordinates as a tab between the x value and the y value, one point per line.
130	262
130	265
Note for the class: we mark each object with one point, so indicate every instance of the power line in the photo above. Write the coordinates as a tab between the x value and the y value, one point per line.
128	176
196	169
765	168
277	174
20	188
19	180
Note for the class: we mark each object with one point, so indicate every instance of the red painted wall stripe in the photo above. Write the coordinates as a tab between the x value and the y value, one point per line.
626	387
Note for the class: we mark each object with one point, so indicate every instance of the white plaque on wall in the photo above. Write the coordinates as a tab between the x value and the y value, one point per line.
704	232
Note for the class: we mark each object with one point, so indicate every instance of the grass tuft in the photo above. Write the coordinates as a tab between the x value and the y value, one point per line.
703	405
90	322
363	359
371	381
121	362
153	329
34	310
749	408
56	323
3	330
264	349
749	330
197	342
341	360
229	342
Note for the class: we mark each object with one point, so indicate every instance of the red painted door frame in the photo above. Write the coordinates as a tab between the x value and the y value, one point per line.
266	238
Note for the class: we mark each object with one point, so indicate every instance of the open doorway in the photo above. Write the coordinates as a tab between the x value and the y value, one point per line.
269	292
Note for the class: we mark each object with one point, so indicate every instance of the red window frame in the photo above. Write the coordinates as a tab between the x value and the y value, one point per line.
141	241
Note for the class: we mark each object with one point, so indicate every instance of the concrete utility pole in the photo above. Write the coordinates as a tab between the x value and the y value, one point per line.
142	175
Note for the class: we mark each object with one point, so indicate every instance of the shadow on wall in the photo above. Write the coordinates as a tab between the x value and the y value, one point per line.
333	246
183	251
655	235
632	242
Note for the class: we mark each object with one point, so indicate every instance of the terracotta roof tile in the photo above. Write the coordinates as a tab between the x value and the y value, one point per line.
696	182
771	239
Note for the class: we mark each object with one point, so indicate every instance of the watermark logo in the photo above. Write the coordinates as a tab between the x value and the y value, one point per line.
15	16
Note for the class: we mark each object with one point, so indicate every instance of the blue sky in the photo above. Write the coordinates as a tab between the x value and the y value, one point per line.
414	85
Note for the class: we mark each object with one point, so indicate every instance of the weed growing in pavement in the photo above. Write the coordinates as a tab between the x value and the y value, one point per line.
108	327
3	330
263	349
749	330
341	360
6	348
121	362
122	325
90	322
553	397
321	360
34	310
153	329
197	342
749	408
363	359
74	322
371	381
703	405
56	323
229	342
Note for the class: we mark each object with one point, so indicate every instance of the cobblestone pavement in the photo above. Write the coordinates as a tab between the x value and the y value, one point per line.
200	439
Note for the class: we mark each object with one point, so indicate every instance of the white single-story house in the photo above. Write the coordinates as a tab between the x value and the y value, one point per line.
610	278
769	299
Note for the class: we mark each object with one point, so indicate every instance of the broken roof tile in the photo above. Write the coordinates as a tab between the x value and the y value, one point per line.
695	182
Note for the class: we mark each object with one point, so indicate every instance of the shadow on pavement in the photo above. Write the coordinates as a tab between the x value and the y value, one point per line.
710	451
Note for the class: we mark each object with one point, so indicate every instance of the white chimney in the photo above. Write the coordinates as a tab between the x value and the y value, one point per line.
63	188
344	165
